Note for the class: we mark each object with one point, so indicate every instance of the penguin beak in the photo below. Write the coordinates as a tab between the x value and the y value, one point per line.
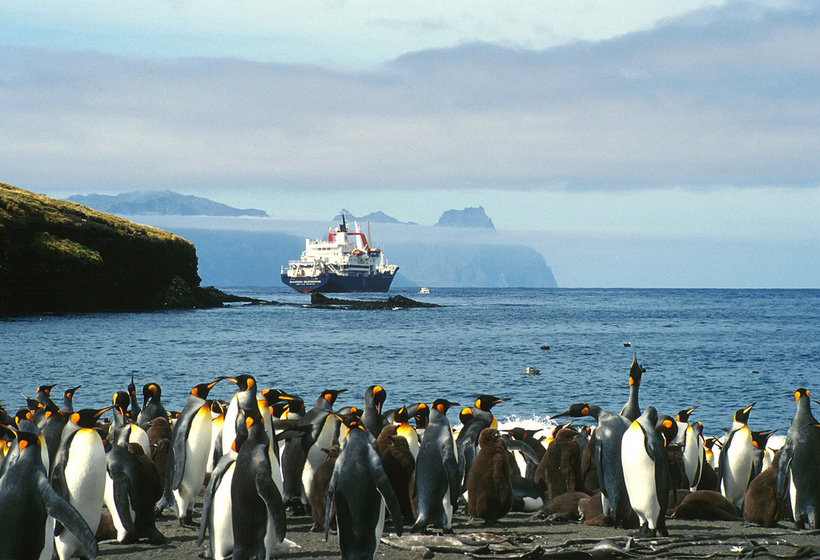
562	415
102	411
749	408
213	383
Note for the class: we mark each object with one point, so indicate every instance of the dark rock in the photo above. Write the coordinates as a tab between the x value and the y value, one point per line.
469	217
320	300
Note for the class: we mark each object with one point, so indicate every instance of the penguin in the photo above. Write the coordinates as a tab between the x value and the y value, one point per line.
559	470
51	424
489	489
79	475
327	435
129	496
68	399
374	397
358	491
438	479
217	424
420	413
632	409
566	507
762	505
693	453
259	525
735	464
399	464
244	399
318	489
682	420
474	419
646	472
608	433
27	500
135	410
188	456
534	444
151	406
708	505
43	395
798	471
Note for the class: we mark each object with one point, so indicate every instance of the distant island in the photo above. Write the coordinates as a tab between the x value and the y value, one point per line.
469	217
162	203
374	217
57	255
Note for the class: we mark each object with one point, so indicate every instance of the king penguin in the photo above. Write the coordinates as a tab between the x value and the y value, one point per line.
438	479
152	405
374	397
68	399
736	459
405	430
188	456
79	475
489	490
693	454
360	489
799	465
27	499
646	472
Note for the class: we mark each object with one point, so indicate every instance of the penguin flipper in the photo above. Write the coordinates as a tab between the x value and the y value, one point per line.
385	488
207	501
122	499
783	467
269	492
58	508
179	441
331	493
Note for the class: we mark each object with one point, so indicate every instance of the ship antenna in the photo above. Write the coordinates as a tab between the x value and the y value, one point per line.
344	223
367	245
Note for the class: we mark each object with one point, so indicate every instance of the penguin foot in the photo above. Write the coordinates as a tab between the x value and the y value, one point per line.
316	528
607	521
129	538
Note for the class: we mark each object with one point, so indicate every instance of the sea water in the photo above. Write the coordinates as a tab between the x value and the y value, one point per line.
719	350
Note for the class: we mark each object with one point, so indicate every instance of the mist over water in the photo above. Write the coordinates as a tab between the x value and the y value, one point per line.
718	349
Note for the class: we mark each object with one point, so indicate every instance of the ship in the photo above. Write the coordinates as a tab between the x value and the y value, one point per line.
344	263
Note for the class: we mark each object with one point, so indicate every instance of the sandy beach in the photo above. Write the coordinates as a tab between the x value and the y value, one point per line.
520	536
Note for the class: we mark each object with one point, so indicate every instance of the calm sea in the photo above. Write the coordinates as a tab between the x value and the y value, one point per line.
718	349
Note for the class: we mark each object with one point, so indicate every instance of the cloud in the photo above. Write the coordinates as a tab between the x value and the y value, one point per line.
727	97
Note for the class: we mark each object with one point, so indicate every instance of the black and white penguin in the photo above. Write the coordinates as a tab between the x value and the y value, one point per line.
374	397
403	428
79	475
474	419
151	406
682	420
258	512
43	395
736	457
438	479
359	490
608	434
27	500
632	409
693	454
188	456
798	471
646	472
134	411
489	489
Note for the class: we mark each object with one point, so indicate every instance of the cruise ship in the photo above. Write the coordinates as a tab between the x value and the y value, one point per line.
344	263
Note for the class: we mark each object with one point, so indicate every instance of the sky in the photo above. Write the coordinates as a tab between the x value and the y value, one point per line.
633	144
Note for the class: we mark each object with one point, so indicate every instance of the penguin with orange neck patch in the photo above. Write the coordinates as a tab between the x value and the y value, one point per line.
632	409
736	459
798	471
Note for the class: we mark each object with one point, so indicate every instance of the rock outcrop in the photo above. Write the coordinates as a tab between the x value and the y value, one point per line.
58	256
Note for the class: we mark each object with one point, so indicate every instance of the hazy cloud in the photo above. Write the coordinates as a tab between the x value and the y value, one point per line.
725	97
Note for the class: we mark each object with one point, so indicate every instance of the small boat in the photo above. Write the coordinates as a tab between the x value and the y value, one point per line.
424	290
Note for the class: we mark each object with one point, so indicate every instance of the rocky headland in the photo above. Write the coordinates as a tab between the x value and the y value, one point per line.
60	256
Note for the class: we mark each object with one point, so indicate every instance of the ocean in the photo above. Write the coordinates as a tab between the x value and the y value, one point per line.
719	350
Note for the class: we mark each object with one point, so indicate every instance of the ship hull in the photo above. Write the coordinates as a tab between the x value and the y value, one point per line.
333	283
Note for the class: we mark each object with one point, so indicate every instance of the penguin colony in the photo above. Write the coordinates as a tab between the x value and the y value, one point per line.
264	456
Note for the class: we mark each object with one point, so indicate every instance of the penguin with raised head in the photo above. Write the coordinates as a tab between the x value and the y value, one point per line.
79	475
646	472
188	456
632	409
489	489
374	397
51	423
258	515
438	478
798	471
358	492
736	457
217	424
68	399
135	409
27	500
693	453
682	420
151	406
244	399
43	395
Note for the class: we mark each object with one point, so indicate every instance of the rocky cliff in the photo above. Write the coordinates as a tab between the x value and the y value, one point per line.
57	255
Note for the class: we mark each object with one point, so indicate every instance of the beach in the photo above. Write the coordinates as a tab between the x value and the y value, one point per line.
519	535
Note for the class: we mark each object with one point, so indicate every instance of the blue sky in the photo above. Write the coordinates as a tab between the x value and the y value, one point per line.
636	143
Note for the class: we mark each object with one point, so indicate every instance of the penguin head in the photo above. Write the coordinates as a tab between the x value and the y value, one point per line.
351	420
330	395
217	407
121	401
150	392
244	382
635	371
742	415
486	402
377	395
800	393
683	415
23	417
760	438
45	389
443	405
490	436
69	393
26	439
576	410
421	413
203	389
88	417
132	388
667	428
465	415
296	406
50	410
401	416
